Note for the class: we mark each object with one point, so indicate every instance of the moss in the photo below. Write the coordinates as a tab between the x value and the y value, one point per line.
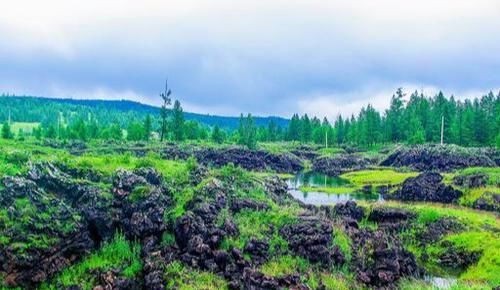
180	277
117	254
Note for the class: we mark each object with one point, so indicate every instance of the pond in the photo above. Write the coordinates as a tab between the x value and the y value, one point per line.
342	187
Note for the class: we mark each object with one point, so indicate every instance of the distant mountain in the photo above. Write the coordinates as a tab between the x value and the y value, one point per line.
40	109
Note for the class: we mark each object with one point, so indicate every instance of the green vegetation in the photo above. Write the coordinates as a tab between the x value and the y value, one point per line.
467	123
377	177
183	278
119	254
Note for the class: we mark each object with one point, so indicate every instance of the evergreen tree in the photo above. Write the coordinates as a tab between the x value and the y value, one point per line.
294	128
178	121
6	132
148	127
135	131
305	129
248	132
163	110
218	135
272	131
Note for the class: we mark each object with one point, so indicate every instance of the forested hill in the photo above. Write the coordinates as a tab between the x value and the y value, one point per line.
46	110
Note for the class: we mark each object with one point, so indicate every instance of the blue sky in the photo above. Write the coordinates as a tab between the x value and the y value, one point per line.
266	57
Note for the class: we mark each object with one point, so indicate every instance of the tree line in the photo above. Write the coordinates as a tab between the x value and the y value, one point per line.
413	120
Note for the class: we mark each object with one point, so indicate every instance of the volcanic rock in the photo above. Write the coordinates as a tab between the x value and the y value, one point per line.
426	187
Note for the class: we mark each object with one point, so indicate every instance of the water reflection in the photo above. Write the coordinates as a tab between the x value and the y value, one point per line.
313	179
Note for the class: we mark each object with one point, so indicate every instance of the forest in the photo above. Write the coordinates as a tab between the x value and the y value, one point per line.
415	121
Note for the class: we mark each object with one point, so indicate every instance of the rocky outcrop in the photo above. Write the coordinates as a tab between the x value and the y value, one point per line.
427	186
350	210
250	159
240	204
442	158
337	165
472	180
380	260
37	258
312	238
488	201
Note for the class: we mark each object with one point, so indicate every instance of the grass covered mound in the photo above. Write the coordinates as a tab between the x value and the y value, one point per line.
442	158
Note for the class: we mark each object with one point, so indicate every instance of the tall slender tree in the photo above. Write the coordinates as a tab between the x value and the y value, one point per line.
165	96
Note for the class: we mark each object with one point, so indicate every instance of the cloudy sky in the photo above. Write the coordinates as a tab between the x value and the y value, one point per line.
267	57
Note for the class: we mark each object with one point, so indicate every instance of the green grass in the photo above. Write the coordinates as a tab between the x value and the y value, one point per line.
377	177
285	265
174	172
118	254
181	277
472	194
25	126
481	235
488	267
343	241
432	211
25	225
257	224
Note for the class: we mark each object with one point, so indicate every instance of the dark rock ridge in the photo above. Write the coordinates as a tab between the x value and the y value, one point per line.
350	210
257	160
380	260
427	186
250	159
198	237
312	239
36	263
442	158
337	165
471	181
488	201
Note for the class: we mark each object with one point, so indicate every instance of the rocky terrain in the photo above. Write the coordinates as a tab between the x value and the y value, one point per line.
167	221
442	158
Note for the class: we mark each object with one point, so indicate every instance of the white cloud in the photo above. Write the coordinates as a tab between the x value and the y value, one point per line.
314	56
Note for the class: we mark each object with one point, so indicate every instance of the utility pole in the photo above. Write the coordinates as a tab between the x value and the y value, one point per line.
442	129
326	138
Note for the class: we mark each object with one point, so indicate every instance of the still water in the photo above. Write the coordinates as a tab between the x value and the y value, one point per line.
314	179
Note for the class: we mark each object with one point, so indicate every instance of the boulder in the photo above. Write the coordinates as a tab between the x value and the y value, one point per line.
312	238
337	165
426	187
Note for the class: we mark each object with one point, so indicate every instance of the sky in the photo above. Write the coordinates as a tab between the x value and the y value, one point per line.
265	57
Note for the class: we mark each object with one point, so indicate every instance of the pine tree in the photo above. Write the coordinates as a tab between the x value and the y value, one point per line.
178	121
217	135
148	127
135	131
294	128
248	132
163	110
6	132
